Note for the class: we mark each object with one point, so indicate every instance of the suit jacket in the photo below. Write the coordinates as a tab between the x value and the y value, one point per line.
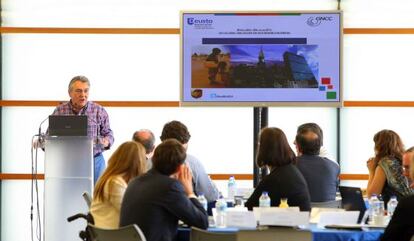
156	202
401	226
283	182
322	188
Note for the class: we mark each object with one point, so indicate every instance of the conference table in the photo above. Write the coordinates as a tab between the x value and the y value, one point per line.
318	234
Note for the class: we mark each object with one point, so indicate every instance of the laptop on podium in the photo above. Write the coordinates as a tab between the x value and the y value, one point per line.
68	125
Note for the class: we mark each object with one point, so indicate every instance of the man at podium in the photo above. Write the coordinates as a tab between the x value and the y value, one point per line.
98	119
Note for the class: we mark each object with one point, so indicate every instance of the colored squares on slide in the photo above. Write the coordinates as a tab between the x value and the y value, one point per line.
326	80
331	95
327	85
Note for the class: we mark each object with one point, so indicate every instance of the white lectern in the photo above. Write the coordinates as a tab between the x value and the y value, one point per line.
68	173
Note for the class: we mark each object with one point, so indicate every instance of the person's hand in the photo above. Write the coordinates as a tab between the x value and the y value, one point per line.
185	177
371	164
104	142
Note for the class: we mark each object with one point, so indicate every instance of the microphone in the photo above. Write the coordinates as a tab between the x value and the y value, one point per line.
41	123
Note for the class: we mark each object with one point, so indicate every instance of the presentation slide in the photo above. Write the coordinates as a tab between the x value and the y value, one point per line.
261	57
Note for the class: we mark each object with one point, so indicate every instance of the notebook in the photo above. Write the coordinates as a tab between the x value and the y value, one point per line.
68	125
352	200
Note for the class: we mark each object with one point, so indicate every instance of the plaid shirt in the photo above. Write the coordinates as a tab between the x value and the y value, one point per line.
98	121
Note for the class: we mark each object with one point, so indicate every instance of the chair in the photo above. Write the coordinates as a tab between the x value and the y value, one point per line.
128	233
266	234
88	199
328	204
204	235
275	234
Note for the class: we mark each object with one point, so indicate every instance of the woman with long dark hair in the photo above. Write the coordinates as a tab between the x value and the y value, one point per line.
284	180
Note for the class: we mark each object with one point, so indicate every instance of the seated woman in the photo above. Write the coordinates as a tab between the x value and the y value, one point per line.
284	180
401	226
127	162
385	169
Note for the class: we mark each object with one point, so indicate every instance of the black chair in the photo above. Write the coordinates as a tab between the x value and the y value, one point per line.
204	235
88	199
128	233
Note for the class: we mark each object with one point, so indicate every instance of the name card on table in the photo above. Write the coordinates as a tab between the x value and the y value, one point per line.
240	219
316	213
338	218
289	219
258	210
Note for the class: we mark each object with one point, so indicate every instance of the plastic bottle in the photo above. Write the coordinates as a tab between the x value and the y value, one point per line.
264	200
203	201
372	207
283	203
391	205
378	217
221	208
231	185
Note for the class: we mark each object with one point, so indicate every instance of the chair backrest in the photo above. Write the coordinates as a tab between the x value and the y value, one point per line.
128	233
275	234
88	199
328	204
269	234
204	235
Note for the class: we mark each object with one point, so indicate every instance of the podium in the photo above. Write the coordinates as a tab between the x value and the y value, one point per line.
68	173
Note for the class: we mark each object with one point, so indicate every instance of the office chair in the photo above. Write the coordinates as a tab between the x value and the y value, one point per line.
88	199
204	235
128	233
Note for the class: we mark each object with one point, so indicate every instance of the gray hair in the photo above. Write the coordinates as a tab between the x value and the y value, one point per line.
147	140
80	78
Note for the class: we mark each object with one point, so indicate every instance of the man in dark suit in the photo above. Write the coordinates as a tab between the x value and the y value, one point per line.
321	174
164	195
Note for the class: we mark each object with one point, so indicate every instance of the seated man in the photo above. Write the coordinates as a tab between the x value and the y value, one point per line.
202	182
162	196
320	173
147	139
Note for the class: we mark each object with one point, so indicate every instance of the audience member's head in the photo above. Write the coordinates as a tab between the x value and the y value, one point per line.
176	130
308	139
408	157
128	160
168	157
388	144
312	127
274	150
146	138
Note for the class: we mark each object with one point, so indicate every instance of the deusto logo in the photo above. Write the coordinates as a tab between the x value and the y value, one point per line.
194	21
316	21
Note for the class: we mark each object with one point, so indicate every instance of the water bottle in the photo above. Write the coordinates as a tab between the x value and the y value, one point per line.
391	205
264	200
372	202
203	201
231	188
221	208
378	217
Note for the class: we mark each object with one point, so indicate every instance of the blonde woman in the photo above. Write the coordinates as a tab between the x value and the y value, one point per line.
127	162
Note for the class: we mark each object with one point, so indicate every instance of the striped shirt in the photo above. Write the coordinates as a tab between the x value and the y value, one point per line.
98	121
